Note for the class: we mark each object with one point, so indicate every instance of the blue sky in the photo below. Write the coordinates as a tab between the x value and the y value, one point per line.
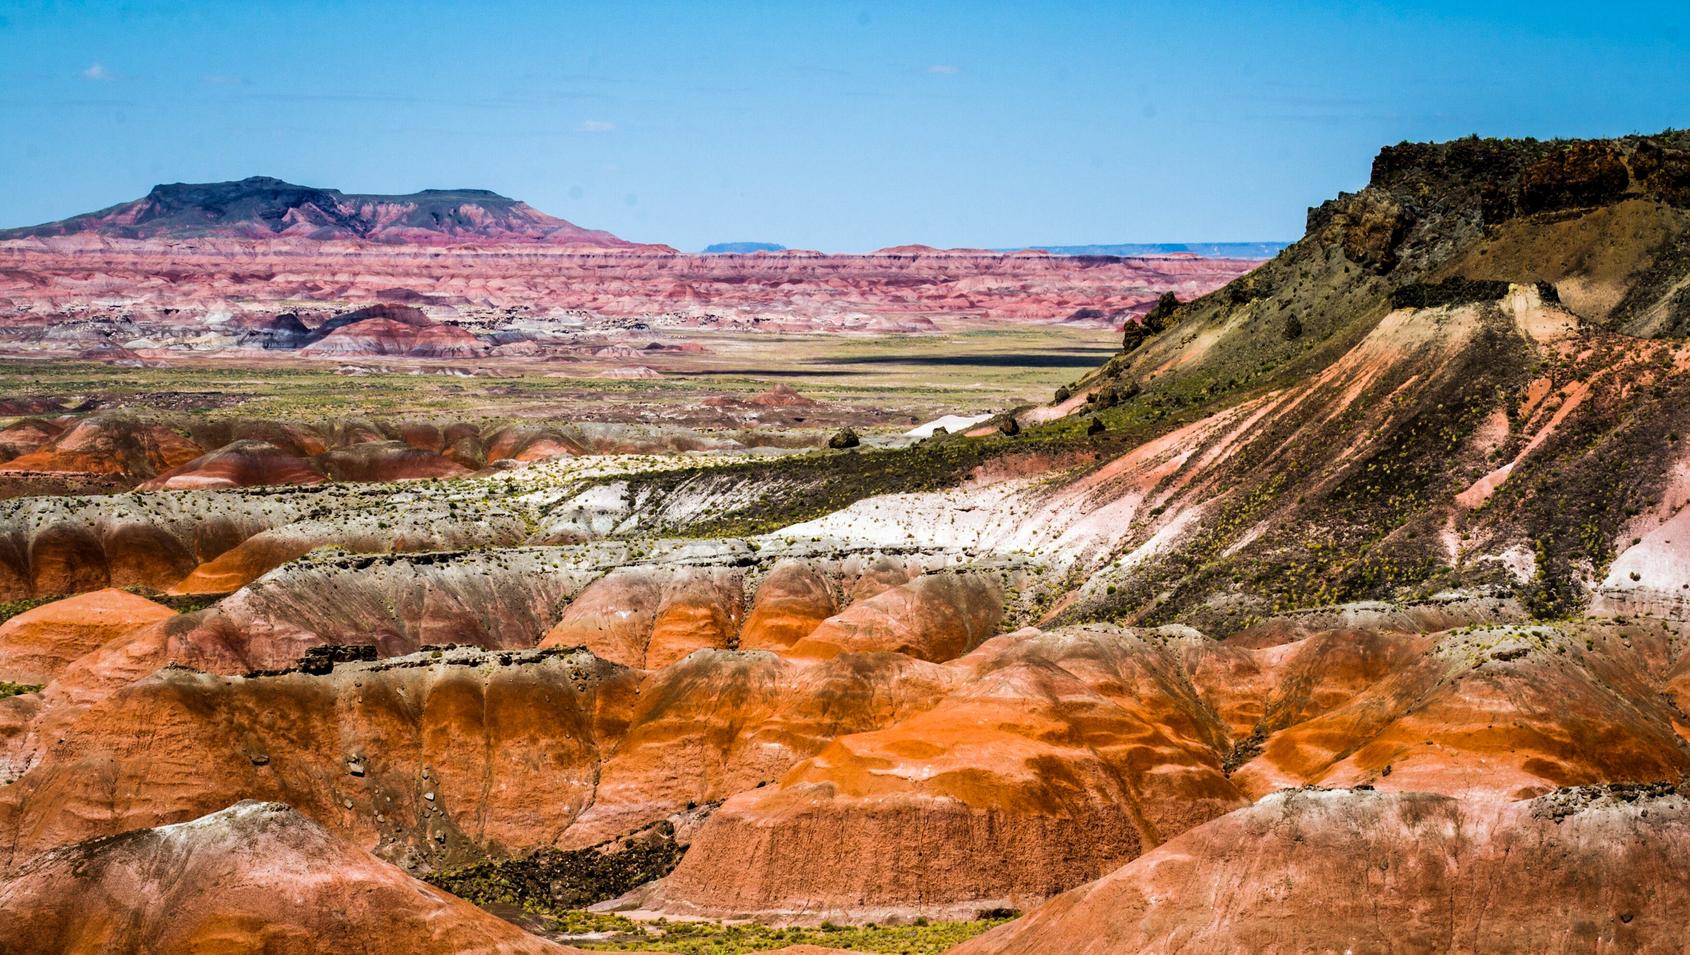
840	126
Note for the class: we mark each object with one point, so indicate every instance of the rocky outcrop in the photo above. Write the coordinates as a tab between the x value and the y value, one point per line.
1477	321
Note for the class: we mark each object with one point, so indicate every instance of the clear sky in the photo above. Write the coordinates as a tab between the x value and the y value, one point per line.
840	126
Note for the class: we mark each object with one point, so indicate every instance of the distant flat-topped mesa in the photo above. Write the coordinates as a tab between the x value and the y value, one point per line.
261	207
186	257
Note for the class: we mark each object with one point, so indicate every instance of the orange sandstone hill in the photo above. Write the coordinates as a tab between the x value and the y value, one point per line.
1349	870
36	645
252	877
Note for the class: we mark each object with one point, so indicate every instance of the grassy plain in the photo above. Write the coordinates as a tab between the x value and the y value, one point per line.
886	381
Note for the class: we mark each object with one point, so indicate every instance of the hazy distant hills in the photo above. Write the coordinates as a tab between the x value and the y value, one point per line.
1205	249
1210	250
742	248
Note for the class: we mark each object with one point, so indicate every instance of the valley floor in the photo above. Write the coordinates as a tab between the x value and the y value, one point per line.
887	382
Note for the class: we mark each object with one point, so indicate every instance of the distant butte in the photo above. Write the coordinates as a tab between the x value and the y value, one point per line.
261	207
184	255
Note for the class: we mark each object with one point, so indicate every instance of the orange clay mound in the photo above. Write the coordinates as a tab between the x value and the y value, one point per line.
652	616
109	443
244	463
388	461
27	435
718	723
68	556
254	877
1499	711
1351	871
36	645
613	750
934	617
1061	756
612	616
700	609
1053	756
522	442
246	562
398	603
412	336
791	602
425	759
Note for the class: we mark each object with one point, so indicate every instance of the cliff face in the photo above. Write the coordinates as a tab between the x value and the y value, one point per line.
1481	209
1602	220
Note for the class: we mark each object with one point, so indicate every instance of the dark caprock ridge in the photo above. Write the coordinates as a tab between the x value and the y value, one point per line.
262	207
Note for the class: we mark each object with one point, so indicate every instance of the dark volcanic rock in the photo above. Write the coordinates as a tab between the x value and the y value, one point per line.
844	439
321	659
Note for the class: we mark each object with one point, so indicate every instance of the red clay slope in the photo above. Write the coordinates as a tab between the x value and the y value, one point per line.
36	645
1587	870
253	877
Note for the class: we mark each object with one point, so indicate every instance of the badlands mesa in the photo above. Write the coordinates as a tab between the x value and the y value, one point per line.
216	266
427	574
